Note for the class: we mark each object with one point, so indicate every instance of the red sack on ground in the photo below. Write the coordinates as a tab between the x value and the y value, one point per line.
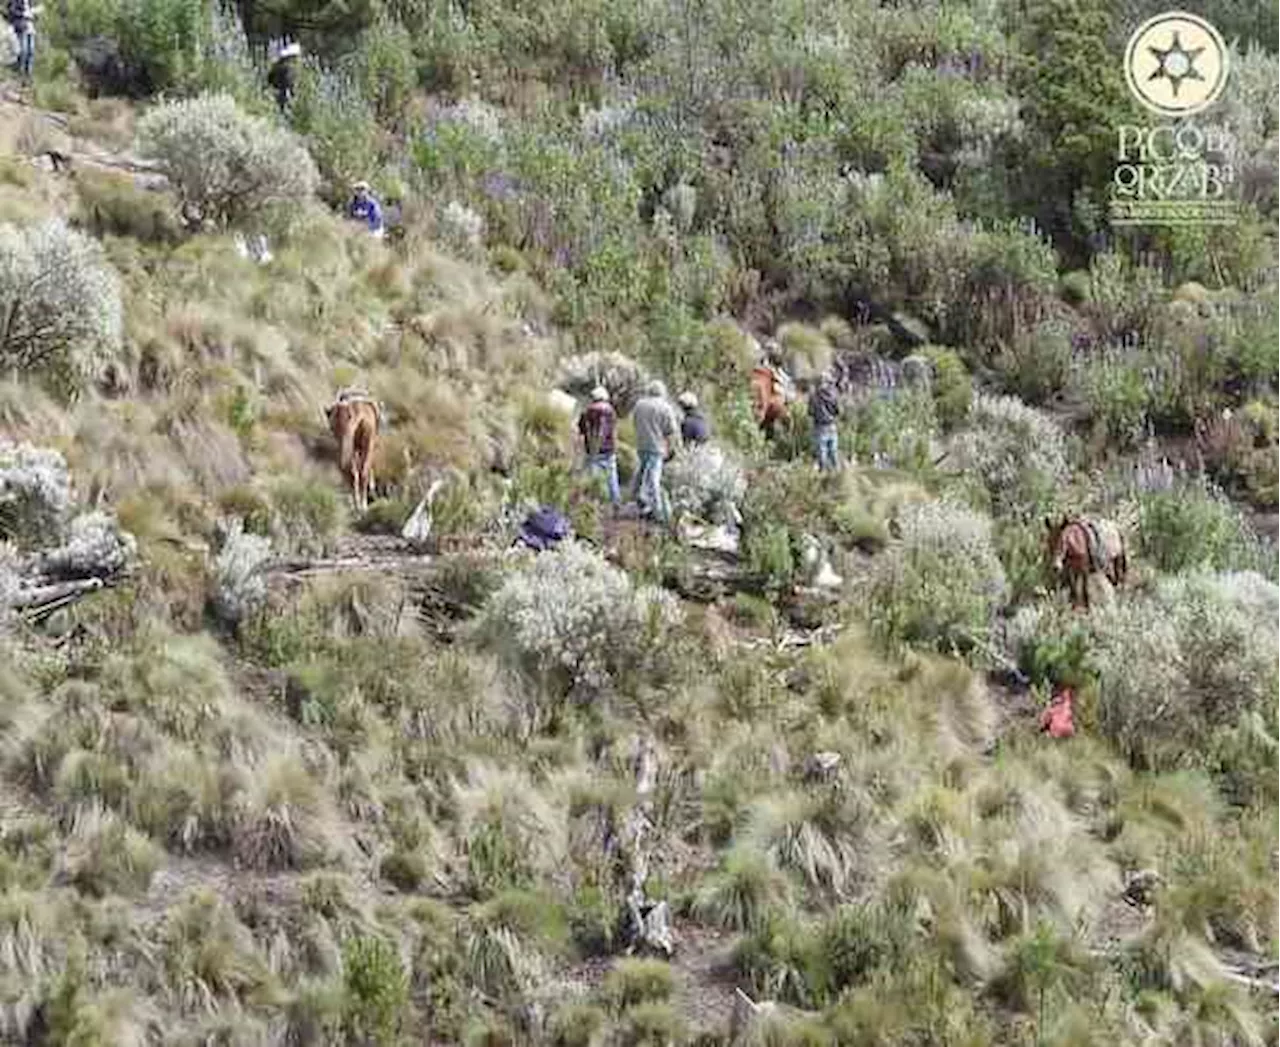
1057	718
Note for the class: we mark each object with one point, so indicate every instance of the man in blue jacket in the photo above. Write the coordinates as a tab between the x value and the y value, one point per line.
365	208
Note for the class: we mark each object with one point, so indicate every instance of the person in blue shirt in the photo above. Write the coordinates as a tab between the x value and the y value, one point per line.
365	208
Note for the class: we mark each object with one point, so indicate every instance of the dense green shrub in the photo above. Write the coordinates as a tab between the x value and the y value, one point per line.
377	990
1036	364
1114	385
894	431
338	123
951	386
1195	526
159	41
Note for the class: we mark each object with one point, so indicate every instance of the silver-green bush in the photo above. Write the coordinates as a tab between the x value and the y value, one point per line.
940	584
225	164
1016	452
706	482
61	303
569	611
35	493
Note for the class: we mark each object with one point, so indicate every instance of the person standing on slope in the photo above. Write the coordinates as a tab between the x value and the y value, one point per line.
596	426
657	437
284	74
22	16
824	409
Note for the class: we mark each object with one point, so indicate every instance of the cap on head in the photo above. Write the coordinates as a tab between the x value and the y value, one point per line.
688	400
656	388
600	394
361	186
290	50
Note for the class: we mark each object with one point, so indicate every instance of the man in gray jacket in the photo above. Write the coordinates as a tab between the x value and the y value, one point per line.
657	437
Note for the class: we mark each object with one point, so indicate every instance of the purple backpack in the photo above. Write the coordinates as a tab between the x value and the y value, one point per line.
544	528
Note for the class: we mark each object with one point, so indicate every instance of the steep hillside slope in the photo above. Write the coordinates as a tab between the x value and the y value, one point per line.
290	779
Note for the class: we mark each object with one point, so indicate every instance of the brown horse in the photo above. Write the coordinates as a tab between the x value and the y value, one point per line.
767	399
1079	548
353	419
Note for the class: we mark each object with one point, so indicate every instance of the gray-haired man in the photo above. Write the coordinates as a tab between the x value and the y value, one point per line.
657	436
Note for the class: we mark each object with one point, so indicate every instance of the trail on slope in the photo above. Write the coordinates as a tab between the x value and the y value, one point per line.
32	131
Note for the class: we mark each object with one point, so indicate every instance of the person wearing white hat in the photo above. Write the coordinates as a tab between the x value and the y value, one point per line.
693	427
284	73
365	208
597	425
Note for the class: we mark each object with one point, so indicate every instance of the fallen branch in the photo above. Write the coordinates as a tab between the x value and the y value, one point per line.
1253	984
38	602
41	595
302	568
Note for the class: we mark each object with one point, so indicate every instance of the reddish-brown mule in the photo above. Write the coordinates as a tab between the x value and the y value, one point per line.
767	399
1070	542
353	420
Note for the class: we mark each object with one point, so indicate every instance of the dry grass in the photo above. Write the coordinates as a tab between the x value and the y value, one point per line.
374	757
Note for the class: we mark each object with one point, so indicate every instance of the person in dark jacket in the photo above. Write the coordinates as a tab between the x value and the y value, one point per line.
596	426
824	410
284	75
693	428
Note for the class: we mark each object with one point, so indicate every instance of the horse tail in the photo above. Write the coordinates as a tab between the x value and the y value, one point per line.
347	443
364	445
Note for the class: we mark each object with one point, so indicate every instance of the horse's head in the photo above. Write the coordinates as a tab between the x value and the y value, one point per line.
1055	543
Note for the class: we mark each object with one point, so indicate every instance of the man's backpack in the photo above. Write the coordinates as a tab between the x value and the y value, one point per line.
544	529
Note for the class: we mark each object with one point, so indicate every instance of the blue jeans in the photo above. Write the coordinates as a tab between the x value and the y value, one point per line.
648	485
26	50
606	463
826	439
